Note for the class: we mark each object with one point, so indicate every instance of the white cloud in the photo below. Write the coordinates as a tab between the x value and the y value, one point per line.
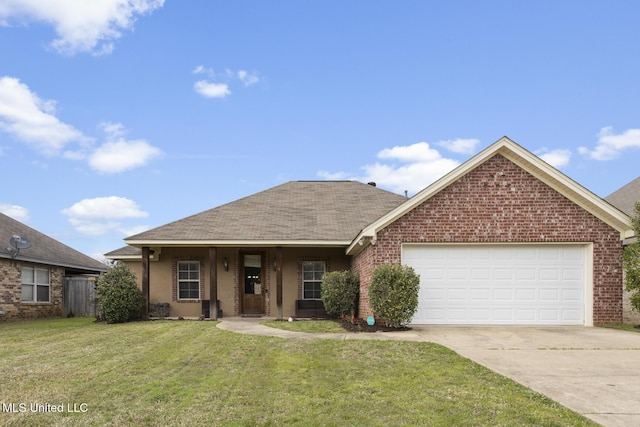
409	168
200	69
103	215
32	120
80	25
460	145
557	158
610	145
211	90
121	155
217	84
105	207
419	152
16	212
247	78
112	130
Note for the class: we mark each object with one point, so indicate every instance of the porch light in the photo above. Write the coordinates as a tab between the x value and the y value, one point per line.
225	262
275	264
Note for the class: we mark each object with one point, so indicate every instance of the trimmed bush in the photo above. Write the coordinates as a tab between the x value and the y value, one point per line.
339	292
118	296
393	293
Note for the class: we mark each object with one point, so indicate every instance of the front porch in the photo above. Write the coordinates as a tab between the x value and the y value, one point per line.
265	282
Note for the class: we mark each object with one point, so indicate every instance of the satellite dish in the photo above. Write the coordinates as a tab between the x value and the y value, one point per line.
19	242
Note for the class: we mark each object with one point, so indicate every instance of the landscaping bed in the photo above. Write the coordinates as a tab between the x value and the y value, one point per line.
360	325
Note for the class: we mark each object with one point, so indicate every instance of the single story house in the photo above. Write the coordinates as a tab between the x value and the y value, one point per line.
625	199
31	279
505	238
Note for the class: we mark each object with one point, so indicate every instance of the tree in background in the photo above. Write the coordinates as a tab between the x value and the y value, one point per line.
631	262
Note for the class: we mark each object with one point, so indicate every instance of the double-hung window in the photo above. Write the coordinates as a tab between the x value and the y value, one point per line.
35	285
189	280
312	272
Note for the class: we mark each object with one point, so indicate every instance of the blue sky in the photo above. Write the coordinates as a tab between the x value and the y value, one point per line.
121	115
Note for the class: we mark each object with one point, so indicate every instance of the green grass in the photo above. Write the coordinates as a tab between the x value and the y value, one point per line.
192	373
630	328
315	326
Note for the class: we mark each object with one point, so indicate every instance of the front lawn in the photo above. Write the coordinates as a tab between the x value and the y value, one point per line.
315	326
624	327
192	373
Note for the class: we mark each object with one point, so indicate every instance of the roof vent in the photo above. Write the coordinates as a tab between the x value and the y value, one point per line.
373	184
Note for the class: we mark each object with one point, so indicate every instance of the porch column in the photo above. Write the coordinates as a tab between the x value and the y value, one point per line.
213	283
145	281
279	281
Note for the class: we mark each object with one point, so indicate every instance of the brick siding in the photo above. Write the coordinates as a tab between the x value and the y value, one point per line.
11	292
499	202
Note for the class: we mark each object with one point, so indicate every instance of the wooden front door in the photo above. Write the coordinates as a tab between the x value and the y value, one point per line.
252	284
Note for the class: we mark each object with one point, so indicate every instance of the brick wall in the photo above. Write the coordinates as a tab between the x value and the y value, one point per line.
11	292
499	202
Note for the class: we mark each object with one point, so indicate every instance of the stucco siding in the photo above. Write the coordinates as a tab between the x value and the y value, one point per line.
162	277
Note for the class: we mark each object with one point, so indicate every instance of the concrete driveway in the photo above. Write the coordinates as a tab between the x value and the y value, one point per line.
593	371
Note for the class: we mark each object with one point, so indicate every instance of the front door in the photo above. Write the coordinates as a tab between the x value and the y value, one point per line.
253	284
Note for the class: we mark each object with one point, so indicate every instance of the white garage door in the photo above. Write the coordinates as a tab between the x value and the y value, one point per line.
499	284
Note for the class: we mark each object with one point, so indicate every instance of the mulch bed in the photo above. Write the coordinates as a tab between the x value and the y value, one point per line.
360	325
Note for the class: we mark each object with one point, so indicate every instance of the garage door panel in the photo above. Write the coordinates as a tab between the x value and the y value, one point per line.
480	274
503	295
572	274
549	315
526	274
480	294
525	315
503	274
550	295
549	274
457	274
525	295
499	284
569	295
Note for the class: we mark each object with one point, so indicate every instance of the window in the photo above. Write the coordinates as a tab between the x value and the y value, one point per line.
189	280
35	284
312	272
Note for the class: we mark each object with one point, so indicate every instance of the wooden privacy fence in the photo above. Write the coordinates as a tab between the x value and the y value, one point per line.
79	296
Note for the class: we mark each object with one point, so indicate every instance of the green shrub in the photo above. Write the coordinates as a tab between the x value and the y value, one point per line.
393	293
119	299
631	259
339	292
631	262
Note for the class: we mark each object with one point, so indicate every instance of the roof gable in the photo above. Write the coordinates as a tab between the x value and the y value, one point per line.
525	160
44	249
294	213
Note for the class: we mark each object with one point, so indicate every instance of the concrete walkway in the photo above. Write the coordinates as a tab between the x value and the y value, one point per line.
593	371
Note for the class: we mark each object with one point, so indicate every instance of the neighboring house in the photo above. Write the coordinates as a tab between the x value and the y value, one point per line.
625	199
503	239
31	280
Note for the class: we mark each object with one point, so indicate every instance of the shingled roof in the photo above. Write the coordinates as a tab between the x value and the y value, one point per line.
297	212
44	249
625	198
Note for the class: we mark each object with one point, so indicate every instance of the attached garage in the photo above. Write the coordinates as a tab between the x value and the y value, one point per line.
534	284
503	239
